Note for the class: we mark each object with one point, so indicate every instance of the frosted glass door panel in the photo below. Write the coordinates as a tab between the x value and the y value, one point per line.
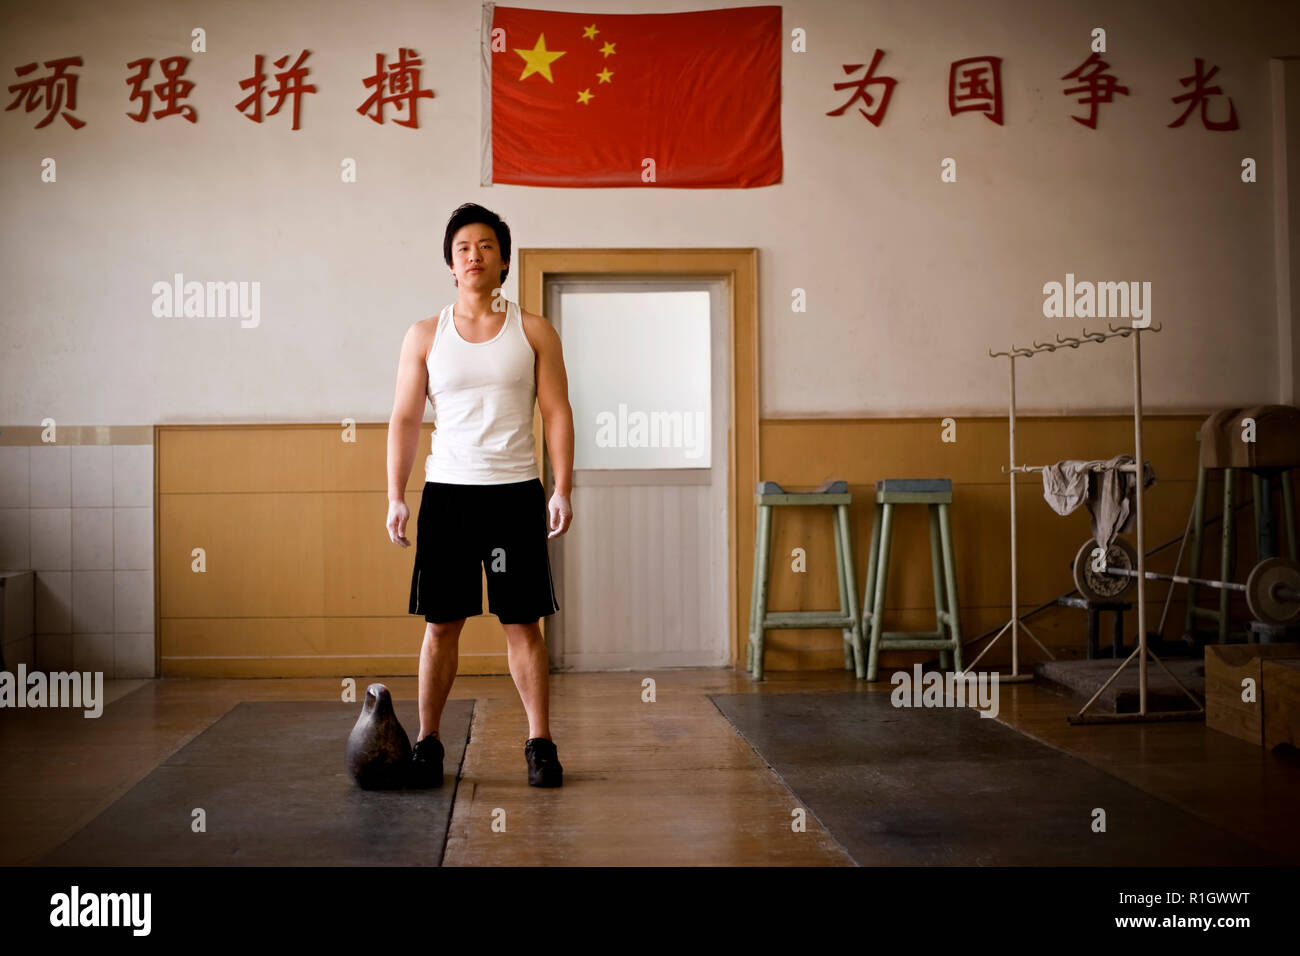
638	365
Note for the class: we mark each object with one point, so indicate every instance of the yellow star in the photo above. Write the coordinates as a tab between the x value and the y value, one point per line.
539	59
604	76
607	49
584	96
590	32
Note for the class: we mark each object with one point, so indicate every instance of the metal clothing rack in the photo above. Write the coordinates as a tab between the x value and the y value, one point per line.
1141	651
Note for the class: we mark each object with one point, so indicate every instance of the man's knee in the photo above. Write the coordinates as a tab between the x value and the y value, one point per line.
523	632
444	630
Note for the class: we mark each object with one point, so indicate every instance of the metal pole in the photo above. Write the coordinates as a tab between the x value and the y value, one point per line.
1141	541
1011	465
1179	579
1178	563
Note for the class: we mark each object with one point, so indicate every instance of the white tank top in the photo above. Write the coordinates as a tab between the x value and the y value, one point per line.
482	395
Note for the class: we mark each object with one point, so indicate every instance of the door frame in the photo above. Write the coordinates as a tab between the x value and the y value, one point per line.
739	269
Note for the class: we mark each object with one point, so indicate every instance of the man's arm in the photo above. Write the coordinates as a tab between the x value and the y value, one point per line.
408	411
553	404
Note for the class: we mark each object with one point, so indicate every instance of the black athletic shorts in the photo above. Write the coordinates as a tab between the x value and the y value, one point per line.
463	530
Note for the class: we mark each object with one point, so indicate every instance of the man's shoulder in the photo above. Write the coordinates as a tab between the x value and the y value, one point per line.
426	325
423	331
537	328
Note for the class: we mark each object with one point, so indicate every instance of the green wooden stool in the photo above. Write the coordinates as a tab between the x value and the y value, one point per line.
937	494
836	494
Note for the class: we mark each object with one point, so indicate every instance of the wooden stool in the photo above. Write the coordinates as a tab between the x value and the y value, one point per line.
1269	460
937	494
771	495
1262	483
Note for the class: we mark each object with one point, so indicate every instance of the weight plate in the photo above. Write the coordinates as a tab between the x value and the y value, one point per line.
1264	588
1099	585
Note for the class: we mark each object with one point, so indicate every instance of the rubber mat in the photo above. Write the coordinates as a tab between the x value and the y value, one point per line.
1085	678
941	785
271	781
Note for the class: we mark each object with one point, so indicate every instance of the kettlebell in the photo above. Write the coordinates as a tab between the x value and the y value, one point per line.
379	751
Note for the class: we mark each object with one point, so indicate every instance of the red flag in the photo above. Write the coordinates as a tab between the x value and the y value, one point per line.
586	99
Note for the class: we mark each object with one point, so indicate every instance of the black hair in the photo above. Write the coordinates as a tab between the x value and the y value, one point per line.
470	213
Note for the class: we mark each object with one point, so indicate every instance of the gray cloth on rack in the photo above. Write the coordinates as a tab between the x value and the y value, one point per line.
1108	492
1065	484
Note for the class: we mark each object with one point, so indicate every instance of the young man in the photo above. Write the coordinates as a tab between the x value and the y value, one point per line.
481	363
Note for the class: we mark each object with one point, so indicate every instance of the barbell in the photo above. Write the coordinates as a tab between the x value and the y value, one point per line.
1272	590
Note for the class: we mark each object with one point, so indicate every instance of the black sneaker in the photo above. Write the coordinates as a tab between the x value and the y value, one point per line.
544	768
426	764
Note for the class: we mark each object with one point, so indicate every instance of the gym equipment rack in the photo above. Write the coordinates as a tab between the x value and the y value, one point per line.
1141	651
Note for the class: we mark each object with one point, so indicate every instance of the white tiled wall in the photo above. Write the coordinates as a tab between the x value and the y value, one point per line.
81	517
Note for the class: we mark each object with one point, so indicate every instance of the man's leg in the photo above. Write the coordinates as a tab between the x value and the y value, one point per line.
438	657
526	654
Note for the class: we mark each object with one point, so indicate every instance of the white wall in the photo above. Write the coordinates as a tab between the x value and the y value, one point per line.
909	280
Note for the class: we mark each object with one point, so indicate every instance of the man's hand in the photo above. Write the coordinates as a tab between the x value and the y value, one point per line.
560	514
398	515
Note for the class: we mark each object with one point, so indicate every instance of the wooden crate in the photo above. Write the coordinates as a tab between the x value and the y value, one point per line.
1226	666
1281	703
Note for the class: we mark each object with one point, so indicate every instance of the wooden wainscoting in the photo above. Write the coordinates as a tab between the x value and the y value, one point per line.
801	453
301	579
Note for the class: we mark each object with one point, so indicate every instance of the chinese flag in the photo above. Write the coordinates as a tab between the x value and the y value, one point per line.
586	99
